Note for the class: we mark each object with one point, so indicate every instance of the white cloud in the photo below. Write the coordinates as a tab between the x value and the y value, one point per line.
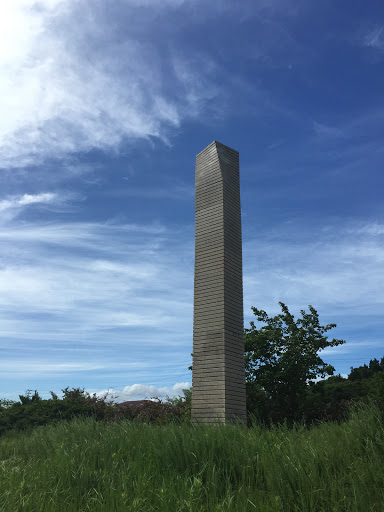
339	273
143	391
326	131
114	294
141	284
27	199
181	192
31	367
373	229
375	39
83	75
87	289
86	235
41	367
157	3
73	83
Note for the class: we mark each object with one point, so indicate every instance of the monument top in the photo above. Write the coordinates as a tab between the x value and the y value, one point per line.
216	143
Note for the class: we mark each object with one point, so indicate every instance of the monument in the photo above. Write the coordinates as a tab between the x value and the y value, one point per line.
218	374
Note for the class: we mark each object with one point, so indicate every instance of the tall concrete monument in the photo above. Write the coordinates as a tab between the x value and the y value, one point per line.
218	375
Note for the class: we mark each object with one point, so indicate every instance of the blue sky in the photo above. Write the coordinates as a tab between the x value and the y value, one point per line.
103	107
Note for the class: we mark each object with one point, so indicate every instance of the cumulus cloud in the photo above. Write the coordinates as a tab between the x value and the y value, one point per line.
145	391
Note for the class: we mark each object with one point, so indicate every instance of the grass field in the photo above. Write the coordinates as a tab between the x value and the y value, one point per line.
88	465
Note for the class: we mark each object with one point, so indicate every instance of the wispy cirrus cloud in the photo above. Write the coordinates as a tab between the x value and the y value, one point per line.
74	85
326	131
95	300
90	283
339	272
84	277
39	366
81	76
26	200
375	39
374	229
83	235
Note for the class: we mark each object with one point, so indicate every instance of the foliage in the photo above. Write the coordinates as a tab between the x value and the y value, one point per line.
283	367
103	466
32	410
329	399
181	399
157	412
281	358
365	372
325	400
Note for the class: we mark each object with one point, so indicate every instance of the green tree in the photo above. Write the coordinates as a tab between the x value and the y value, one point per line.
366	372
282	356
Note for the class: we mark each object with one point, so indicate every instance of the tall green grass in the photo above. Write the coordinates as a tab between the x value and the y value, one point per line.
89	465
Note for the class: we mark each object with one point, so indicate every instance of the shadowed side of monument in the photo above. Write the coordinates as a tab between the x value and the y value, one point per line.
218	375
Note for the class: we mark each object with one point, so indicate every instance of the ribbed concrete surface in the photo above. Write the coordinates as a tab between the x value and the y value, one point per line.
218	378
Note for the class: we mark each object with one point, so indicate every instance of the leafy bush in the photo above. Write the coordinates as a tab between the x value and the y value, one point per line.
329	400
157	412
32	410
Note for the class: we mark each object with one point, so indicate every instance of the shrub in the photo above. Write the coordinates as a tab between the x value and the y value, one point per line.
32	410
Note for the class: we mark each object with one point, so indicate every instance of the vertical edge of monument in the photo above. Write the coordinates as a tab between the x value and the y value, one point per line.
218	376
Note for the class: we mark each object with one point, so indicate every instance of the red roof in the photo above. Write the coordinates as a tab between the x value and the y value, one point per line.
134	403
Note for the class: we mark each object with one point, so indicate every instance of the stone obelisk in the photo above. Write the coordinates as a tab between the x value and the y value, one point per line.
218	374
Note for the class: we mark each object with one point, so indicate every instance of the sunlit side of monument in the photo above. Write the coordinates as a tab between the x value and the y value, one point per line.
218	376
